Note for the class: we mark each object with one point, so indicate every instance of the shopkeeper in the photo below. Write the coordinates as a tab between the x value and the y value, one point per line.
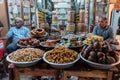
102	29
16	32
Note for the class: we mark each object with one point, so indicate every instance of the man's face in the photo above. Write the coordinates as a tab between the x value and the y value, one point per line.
18	23
102	23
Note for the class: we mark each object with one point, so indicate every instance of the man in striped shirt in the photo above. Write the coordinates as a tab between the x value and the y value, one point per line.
16	32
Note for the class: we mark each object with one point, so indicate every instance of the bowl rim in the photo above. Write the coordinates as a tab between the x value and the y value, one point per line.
43	42
9	60
94	63
29	46
21	46
62	44
39	36
51	63
67	36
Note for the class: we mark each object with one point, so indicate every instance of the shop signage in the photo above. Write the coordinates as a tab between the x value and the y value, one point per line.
1	1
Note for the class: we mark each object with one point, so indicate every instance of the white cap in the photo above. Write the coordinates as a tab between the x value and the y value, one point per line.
18	18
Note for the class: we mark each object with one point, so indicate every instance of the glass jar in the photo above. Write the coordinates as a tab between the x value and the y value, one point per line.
55	29
44	25
62	27
82	16
81	28
70	28
54	18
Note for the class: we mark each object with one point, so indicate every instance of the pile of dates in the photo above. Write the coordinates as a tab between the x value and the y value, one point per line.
98	53
29	42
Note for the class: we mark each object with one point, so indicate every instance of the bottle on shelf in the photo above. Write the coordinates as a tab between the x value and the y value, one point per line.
82	15
55	29
62	27
54	18
71	15
81	26
33	26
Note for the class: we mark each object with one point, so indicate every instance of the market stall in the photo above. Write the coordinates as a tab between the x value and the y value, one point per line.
63	50
54	64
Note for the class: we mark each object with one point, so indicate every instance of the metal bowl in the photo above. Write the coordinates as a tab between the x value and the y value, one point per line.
98	65
21	46
23	64
60	66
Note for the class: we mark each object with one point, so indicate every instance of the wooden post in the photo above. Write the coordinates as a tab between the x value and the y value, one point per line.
94	12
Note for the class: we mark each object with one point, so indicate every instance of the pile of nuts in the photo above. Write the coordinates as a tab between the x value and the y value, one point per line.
26	55
61	55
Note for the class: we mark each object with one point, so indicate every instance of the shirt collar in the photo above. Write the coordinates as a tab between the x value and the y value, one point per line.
105	28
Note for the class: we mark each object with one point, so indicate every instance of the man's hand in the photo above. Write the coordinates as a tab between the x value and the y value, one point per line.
3	38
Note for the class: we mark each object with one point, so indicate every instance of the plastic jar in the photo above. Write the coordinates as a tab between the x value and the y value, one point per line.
70	28
71	16
54	18
54	29
82	16
81	28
